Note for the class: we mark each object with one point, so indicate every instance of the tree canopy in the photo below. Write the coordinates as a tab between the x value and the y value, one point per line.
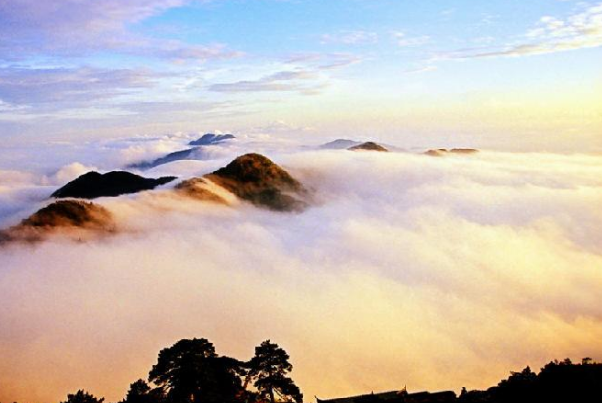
191	371
270	368
82	396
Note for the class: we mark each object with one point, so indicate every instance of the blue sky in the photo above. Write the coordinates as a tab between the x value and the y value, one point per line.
498	74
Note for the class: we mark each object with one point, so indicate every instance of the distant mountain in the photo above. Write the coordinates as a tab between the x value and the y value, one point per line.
93	184
253	178
441	152
339	144
61	215
368	146
189	154
210	138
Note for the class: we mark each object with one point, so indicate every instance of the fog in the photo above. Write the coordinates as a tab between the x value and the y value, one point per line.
435	273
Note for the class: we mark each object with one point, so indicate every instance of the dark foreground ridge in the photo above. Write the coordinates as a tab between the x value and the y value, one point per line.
368	146
210	138
93	184
557	382
442	152
66	215
191	371
253	178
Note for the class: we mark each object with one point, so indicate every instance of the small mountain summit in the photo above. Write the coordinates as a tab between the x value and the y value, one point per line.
442	152
210	138
368	146
339	144
66	215
69	213
253	178
93	184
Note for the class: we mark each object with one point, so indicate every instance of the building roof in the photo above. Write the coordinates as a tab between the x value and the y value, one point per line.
382	396
398	396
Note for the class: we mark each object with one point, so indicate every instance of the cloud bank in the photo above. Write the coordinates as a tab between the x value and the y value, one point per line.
433	273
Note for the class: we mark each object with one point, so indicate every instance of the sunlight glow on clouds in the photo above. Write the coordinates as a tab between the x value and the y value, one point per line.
408	270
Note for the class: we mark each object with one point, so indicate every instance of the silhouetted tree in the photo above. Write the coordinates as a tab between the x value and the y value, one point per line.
519	385
191	371
141	392
270	367
558	381
82	396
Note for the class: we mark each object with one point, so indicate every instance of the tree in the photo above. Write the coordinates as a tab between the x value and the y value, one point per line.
82	396
270	367
191	371
140	392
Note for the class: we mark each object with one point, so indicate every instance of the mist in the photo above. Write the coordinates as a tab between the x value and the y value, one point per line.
434	273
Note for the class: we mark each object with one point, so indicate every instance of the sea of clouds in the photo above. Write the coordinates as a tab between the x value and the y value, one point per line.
435	273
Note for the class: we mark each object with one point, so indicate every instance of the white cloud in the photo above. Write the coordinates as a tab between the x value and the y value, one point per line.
71	86
302	81
581	30
350	38
403	40
423	69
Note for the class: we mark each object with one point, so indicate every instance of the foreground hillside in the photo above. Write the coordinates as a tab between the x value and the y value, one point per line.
191	371
556	382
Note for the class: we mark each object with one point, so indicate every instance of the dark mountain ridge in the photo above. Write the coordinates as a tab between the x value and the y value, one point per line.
116	183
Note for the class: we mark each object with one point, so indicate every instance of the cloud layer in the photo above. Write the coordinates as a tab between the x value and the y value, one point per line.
409	270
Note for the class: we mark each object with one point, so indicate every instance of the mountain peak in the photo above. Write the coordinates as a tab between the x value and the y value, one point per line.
253	178
368	146
74	215
93	184
259	169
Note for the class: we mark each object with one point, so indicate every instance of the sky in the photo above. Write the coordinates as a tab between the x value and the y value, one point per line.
435	273
503	75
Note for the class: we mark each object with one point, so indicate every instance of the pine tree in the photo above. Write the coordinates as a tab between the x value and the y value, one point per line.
270	368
